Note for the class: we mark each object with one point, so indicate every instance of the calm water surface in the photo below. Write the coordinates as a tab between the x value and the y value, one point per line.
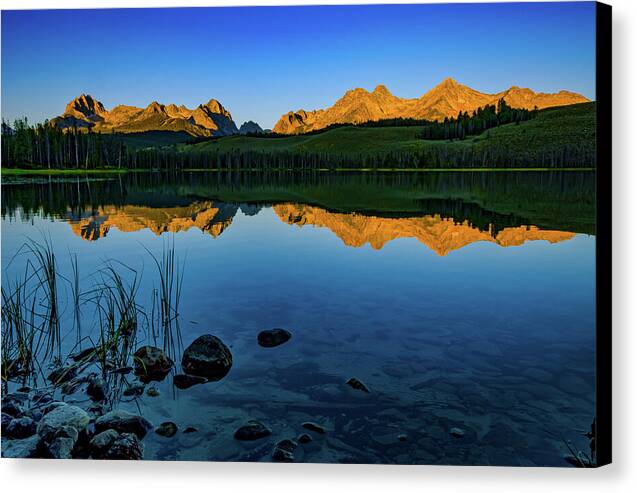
460	300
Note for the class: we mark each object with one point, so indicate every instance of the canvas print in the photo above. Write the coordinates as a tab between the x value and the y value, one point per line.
330	234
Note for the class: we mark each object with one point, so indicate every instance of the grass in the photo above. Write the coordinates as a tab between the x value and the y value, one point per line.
59	172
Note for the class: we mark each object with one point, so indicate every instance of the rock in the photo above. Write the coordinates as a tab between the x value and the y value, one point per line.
284	451
355	383
152	392
456	432
304	438
207	357
402	437
62	374
85	355
101	442
62	416
316	428
135	389
125	447
6	419
72	385
151	363
51	406
96	389
12	406
273	337
20	428
190	429
167	429
42	397
182	381
61	445
123	422
252	430
25	448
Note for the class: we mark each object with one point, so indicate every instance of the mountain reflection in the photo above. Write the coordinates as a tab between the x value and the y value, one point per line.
440	234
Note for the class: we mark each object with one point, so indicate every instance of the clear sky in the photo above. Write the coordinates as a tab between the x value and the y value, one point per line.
261	62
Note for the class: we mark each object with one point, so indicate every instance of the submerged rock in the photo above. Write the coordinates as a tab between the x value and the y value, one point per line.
125	447
207	357
135	389
85	355
6	419
273	337
190	429
457	432
61	444
183	381
304	438
101	442
152	392
62	374
20	428
355	383
167	429
252	430
96	388
123	422
284	451
151	363
316	428
13	405
25	448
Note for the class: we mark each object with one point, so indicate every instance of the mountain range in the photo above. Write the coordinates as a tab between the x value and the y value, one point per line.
356	106
445	100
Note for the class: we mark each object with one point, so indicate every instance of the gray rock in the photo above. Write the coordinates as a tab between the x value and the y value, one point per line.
456	432
167	429
59	444
252	430
6	419
135	389
284	451
62	416
96	389
304	438
101	442
316	428
355	383
20	428
190	429
25	448
151	363
273	337
207	357
123	422
182	381
125	447
152	392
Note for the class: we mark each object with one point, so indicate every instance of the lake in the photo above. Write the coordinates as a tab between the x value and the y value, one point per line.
464	302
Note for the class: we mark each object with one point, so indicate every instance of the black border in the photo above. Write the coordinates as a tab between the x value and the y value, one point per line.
603	237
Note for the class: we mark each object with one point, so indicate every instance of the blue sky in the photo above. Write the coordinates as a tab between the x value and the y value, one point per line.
261	62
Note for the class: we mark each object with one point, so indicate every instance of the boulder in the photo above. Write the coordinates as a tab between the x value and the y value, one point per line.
355	383
96	388
60	417
101	442
284	451
207	357
25	448
125	447
167	429
151	363
6	419
273	337
316	428
62	374
20	428
61	444
123	422
252	430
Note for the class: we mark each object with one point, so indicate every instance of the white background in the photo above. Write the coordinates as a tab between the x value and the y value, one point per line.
96	477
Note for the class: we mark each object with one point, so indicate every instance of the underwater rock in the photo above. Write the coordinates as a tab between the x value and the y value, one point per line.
402	437
62	374
457	432
167	429
135	389
273	337
252	430
20	428
13	404
85	355
316	428
355	383
190	429
304	438
183	381
125	447
207	357
123	422
284	451
60	445
96	388
152	392
101	442
25	448
151	363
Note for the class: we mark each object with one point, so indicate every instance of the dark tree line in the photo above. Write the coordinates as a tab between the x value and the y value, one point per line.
480	120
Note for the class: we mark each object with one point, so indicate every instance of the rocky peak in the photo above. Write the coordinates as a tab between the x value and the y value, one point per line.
85	106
